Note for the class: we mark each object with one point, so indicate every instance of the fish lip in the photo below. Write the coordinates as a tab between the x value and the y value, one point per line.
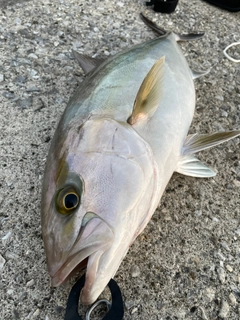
71	264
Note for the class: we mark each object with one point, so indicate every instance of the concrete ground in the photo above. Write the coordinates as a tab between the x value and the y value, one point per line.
5	3
185	265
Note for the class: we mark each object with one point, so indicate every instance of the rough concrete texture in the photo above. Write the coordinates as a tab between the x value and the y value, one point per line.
185	265
5	3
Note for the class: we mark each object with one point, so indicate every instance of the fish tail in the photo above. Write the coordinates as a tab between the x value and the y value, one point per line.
199	74
153	26
162	32
188	37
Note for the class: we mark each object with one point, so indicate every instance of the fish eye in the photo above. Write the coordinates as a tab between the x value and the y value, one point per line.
67	200
70	201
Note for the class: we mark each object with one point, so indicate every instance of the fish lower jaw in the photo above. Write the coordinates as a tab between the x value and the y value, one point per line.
91	289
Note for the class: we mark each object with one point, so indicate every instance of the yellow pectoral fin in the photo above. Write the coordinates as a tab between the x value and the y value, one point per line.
149	93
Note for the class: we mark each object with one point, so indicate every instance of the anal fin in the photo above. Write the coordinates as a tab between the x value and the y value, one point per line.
190	166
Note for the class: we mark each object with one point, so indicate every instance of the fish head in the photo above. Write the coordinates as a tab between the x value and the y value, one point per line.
98	194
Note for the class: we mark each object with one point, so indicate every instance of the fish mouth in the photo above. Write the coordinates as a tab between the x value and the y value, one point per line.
75	263
95	238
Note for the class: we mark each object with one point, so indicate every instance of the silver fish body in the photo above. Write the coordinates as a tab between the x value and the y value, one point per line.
105	177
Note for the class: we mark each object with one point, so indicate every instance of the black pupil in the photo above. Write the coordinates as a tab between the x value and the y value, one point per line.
71	201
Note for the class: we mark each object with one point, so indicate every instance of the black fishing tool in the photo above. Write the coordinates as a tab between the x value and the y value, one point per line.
230	5
164	6
115	309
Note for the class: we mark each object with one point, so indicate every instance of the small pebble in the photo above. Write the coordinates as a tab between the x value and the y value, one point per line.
32	72
223	313
134	310
11	255
20	79
224	114
129	304
221	256
135	271
24	103
59	309
2	262
225	245
10	291
33	56
210	293
23	296
198	213
120	4
182	314
237	232
1	77
36	313
8	95
30	283
229	268
232	299
221	274
18	21
219	97
6	238
33	89
236	183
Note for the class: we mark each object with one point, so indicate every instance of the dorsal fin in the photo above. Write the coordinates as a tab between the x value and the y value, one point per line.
198	142
87	63
149	93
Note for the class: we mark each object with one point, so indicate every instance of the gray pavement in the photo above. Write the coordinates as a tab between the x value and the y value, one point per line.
5	3
185	265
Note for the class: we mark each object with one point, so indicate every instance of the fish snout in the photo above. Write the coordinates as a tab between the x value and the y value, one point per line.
94	238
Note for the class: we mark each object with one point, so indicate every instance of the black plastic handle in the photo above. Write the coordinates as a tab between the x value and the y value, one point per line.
115	312
164	6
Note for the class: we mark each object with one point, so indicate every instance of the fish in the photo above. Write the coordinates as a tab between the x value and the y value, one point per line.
121	137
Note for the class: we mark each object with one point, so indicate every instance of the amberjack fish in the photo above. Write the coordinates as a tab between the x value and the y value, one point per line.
121	137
